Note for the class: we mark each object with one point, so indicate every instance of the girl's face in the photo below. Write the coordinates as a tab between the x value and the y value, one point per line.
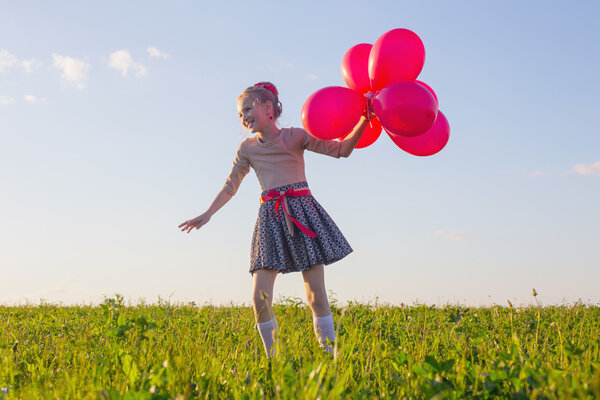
253	114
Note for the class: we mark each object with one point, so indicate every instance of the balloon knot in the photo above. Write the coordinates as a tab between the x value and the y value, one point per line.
370	95
369	111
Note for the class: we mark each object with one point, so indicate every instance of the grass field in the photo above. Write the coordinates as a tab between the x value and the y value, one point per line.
166	351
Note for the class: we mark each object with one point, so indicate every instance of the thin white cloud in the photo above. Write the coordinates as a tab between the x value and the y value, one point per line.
7	60
457	236
123	62
74	71
541	173
33	99
589	169
311	77
156	53
30	65
6	100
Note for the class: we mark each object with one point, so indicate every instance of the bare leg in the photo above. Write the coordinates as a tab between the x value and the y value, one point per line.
263	300
314	283
262	294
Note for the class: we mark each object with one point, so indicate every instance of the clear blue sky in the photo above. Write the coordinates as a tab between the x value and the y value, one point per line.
106	146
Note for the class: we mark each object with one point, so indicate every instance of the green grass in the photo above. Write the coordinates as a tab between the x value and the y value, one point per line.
165	351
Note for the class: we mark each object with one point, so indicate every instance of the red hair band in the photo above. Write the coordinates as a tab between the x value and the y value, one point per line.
269	87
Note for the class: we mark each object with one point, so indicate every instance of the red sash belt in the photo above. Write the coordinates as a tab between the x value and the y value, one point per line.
280	198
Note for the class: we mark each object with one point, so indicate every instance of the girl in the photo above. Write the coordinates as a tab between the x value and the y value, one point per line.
293	232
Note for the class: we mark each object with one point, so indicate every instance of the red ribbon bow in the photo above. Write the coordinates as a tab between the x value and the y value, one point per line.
269	87
280	197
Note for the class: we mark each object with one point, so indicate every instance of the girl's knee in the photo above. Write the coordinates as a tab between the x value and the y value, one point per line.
261	297
261	304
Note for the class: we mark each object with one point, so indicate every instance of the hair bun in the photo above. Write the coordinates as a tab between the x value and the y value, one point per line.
270	87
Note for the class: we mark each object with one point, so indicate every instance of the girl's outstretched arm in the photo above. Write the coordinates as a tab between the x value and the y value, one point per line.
352	139
222	198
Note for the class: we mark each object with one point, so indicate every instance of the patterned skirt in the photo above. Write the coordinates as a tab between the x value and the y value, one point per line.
274	248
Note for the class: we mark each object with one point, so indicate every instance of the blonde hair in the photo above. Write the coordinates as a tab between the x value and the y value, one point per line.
263	92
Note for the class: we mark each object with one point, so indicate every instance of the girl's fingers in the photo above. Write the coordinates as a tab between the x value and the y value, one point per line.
185	225
188	225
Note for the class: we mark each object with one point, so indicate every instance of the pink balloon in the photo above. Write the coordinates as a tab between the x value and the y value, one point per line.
405	108
426	86
355	69
370	134
332	112
398	55
430	142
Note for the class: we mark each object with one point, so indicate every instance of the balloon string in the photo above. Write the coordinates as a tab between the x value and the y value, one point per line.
369	96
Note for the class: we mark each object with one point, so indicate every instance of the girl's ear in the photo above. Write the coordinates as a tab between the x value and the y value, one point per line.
268	106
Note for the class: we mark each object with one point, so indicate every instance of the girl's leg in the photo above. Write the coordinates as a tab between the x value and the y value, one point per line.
314	283
262	294
316	295
262	298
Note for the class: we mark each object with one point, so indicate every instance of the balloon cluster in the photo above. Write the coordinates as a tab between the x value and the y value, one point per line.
385	73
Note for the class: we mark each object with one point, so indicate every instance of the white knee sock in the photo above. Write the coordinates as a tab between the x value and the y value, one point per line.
324	329
268	330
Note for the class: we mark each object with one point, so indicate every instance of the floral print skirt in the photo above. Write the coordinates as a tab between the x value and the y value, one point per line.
274	248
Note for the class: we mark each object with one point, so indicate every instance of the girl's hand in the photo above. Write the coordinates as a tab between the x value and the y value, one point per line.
195	223
369	115
368	112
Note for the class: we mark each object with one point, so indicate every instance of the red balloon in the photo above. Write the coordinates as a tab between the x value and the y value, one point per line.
355	69
332	112
370	134
426	86
398	55
405	108
430	142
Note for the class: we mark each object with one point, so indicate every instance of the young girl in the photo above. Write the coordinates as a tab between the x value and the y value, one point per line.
293	232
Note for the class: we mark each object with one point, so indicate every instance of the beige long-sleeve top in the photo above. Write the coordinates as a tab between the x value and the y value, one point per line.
277	162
